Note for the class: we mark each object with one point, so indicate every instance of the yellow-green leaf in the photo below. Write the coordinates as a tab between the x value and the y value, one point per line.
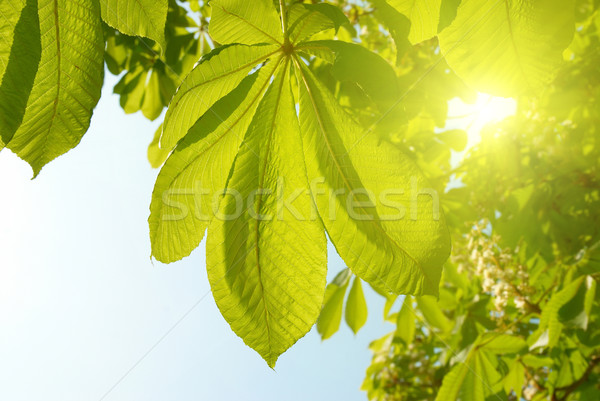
356	307
424	16
508	47
217	74
20	52
68	82
266	263
375	203
145	18
245	22
183	198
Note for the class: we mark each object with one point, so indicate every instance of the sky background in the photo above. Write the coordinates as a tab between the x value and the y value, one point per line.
81	302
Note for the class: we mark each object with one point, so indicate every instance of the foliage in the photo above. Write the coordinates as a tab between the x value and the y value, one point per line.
310	113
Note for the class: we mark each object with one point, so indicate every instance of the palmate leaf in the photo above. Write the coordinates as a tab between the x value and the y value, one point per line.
508	47
306	20
267	215
68	82
145	18
267	267
20	52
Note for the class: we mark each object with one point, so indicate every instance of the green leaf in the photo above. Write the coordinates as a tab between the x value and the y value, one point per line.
405	325
156	155
20	52
549	321
183	198
348	171
267	266
333	305
397	24
354	63
424	17
145	18
508	48
305	20
515	379
67	85
245	22
503	343
152	106
356	307
217	74
433	314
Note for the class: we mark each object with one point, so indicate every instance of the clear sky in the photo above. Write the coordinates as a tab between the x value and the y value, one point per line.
81	302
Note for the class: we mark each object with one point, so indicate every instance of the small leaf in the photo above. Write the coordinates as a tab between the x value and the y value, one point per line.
406	325
333	305
356	307
145	18
433	314
156	155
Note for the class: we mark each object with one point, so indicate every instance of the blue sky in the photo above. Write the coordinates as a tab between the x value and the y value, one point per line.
81	302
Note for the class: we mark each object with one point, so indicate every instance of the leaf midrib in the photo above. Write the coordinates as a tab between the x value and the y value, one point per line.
259	205
346	182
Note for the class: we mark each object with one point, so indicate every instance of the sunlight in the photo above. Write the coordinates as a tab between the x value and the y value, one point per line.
473	117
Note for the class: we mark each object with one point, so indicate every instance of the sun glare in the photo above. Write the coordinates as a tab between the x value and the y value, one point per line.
473	117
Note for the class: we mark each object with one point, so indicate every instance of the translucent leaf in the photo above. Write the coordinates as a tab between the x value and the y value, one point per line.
20	52
363	190
405	325
433	314
67	85
145	18
356	307
424	17
333	305
245	22
183	198
354	63
549	320
217	74
507	48
156	155
267	264
305	20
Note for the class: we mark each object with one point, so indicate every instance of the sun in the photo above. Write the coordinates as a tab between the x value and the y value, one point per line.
473	117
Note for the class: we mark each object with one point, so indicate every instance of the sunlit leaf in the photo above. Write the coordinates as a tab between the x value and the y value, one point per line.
145	18
67	85
507	48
